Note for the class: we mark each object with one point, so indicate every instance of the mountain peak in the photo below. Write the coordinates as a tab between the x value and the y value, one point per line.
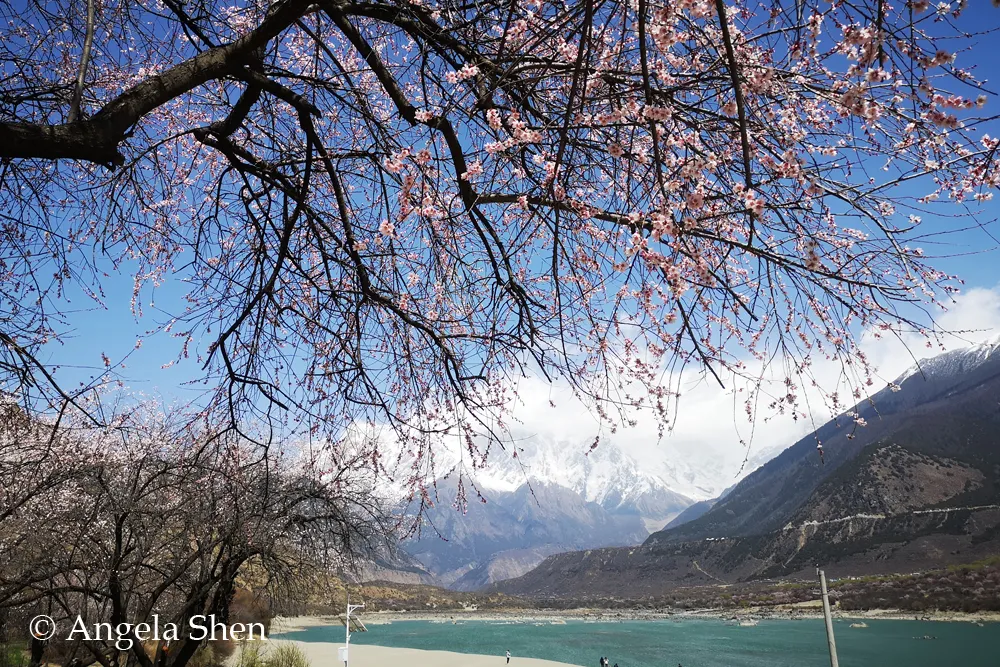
555	495
605	475
954	362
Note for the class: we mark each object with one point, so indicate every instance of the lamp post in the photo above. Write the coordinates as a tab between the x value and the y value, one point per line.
829	620
347	625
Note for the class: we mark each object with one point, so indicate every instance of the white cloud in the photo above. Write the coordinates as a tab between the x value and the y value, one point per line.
702	454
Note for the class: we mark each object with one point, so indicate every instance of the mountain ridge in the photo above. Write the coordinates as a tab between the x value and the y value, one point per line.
554	495
758	503
512	532
917	488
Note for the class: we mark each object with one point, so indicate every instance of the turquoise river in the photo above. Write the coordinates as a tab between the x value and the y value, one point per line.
694	642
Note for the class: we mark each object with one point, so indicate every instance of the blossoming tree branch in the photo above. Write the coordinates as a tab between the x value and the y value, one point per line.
386	211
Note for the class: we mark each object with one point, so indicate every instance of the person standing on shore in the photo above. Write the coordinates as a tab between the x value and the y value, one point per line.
508	657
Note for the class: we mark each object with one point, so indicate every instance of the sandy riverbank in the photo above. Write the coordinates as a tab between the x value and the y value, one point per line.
322	654
281	624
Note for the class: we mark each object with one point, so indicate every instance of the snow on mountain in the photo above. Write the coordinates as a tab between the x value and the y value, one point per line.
605	475
543	496
955	362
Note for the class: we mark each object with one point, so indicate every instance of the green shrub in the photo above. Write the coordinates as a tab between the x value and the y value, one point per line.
286	655
249	655
13	655
204	657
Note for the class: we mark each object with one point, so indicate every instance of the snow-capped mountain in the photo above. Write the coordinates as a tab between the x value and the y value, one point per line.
605	475
512	532
955	362
547	493
542	496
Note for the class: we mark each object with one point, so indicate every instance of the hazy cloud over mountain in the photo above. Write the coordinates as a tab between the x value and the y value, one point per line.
701	456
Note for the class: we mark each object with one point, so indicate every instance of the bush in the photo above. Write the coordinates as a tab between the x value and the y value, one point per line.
286	655
13	655
204	657
249	655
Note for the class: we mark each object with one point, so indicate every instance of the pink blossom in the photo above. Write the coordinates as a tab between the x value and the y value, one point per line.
657	113
754	203
474	169
493	117
467	72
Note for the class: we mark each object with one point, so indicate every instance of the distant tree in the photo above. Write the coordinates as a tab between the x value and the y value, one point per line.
386	210
37	516
166	517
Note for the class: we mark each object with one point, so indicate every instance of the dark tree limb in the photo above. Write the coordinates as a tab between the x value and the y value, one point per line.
97	139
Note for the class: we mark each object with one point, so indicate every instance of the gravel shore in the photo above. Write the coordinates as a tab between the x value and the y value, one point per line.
785	612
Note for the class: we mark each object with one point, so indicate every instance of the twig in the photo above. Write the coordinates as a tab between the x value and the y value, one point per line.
74	109
720	6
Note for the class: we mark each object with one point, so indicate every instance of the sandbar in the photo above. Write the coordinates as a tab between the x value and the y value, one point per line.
324	654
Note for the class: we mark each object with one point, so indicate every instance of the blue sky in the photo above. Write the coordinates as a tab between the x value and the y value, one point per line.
971	254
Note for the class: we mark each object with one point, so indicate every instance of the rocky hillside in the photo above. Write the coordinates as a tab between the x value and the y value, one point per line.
917	488
514	531
952	396
697	510
555	496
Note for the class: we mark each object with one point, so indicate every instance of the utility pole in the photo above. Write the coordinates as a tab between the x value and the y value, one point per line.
347	625
829	620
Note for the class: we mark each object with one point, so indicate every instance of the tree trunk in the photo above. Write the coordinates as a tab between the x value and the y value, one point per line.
37	649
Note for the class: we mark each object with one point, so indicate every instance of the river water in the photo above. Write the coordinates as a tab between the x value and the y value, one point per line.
694	642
